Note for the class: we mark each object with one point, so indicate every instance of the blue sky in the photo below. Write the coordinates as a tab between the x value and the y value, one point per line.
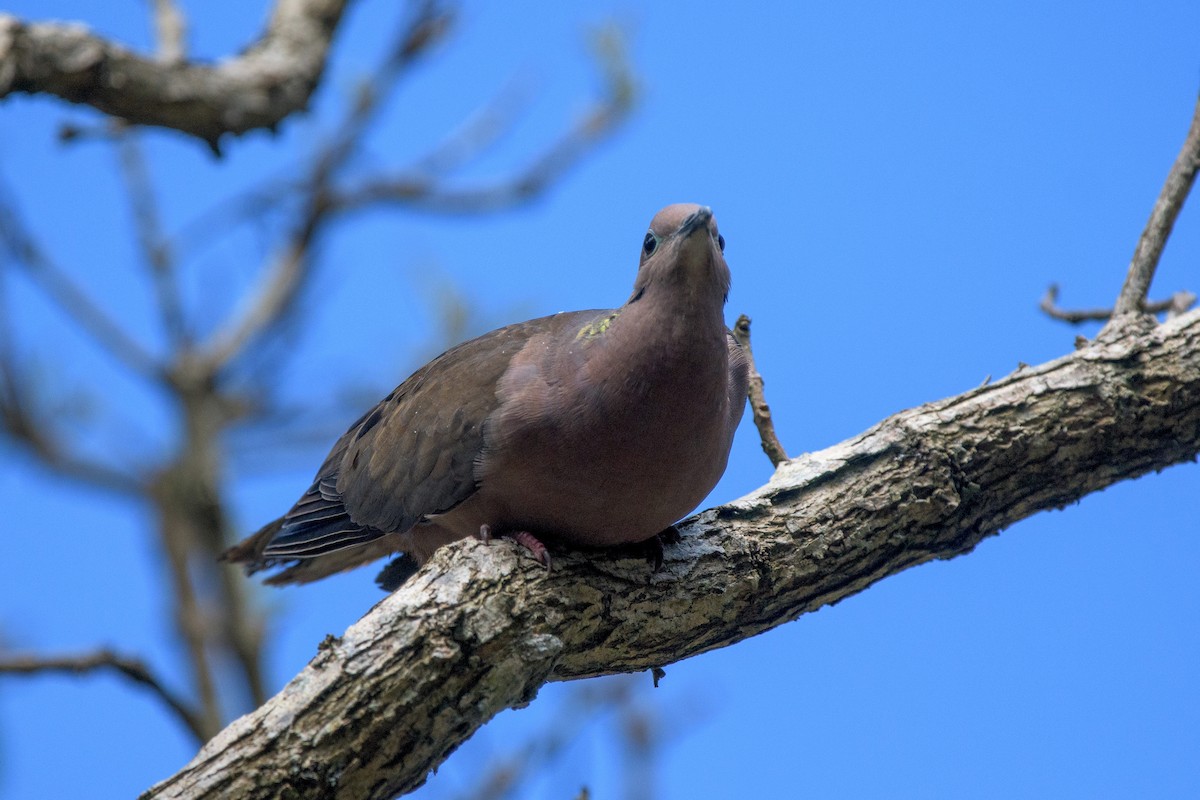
897	183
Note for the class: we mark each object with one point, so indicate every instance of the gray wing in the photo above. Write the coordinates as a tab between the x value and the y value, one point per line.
739	382
410	456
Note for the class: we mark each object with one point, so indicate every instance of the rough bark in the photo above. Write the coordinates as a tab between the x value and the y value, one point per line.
481	628
257	89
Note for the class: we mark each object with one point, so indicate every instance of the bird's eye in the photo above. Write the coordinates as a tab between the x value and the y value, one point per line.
721	242
650	244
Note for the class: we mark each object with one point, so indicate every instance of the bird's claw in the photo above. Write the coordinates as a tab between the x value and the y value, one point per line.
524	539
533	545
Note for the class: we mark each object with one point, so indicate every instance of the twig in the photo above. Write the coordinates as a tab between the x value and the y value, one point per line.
428	25
132	668
170	29
758	401
474	135
1175	305
23	425
271	303
155	248
1162	219
418	191
290	270
571	719
17	240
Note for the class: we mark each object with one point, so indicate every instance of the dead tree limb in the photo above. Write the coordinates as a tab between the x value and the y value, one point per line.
270	80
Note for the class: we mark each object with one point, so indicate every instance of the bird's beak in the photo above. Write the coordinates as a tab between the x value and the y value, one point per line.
697	219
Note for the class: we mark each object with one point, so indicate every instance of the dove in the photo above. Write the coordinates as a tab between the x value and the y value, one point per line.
587	429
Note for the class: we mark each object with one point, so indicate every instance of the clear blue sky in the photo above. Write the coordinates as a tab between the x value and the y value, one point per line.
897	182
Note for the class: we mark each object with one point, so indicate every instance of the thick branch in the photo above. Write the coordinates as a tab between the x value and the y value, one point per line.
480	628
268	81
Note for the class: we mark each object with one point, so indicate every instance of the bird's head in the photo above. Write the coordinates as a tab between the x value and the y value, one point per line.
683	252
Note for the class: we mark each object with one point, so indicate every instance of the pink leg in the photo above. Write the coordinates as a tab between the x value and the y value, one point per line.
523	538
533	545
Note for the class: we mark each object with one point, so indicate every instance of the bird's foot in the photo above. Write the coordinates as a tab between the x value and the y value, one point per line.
533	545
651	549
397	572
669	535
654	545
523	538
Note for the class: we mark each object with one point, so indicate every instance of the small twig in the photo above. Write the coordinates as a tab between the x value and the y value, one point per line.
23	425
475	134
155	248
758	401
271	303
1175	305
580	709
170	29
17	240
428	25
132	668
418	191
1162	219
291	268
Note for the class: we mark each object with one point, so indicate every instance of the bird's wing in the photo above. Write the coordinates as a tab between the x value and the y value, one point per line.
414	453
739	380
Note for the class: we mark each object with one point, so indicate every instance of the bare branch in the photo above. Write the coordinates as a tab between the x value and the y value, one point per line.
1162	220
415	190
170	29
569	721
24	251
427	26
155	248
291	269
29	428
1176	304
271	303
474	135
758	400
480	628
267	82
132	668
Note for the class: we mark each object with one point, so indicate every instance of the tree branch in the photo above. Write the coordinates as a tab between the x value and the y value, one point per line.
268	81
25	424
1176	304
156	249
131	668
16	238
419	190
291	268
170	31
758	400
1162	220
481	629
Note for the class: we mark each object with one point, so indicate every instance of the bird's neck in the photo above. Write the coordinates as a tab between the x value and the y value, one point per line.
665	328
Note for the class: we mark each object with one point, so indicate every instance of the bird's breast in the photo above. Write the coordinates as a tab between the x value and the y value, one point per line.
609	440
